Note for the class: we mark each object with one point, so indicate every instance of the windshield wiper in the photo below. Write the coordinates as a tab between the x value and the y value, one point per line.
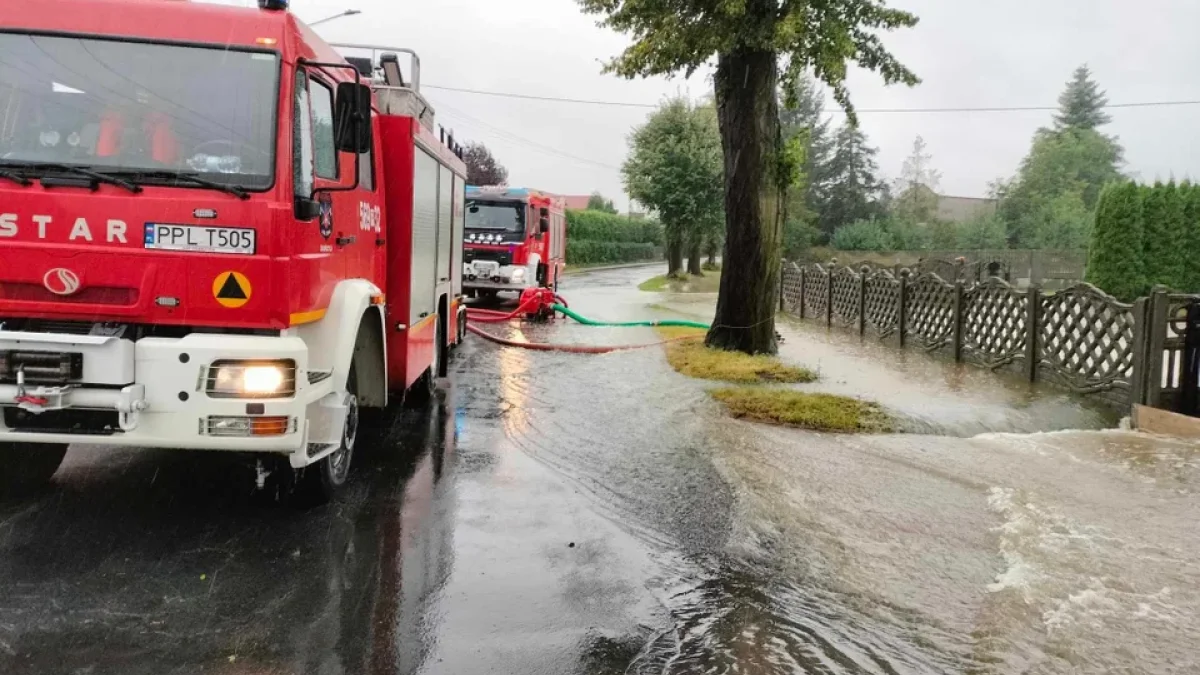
42	167
16	178
142	176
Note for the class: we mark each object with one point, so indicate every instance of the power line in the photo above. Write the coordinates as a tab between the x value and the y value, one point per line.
503	133
963	109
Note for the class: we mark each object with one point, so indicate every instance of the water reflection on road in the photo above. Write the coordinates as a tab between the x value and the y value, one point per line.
600	515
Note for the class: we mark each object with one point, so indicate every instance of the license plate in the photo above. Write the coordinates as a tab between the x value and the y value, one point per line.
201	238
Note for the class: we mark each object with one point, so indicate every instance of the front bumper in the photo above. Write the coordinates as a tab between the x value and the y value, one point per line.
166	404
497	278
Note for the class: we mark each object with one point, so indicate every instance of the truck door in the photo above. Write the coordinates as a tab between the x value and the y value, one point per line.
340	226
320	264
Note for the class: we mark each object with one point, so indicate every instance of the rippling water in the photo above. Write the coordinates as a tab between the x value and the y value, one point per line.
977	546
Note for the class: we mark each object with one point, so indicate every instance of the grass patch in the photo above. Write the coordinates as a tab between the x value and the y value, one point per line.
709	283
692	358
817	412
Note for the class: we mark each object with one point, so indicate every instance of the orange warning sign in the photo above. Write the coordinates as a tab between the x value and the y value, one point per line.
232	289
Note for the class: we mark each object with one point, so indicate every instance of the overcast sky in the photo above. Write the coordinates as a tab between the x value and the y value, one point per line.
969	53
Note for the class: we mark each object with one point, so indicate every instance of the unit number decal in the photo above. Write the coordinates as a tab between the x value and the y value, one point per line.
369	217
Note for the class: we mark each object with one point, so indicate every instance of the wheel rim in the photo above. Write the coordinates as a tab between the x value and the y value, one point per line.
339	461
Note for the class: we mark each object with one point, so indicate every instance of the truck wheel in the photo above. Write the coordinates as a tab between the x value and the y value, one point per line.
322	480
424	390
462	326
28	466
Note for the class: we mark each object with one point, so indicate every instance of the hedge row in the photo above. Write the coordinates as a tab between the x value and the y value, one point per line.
602	226
1146	236
590	252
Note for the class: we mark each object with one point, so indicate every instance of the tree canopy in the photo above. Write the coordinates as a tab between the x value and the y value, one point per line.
597	202
1115	262
672	36
1081	105
674	167
482	167
917	186
753	42
853	190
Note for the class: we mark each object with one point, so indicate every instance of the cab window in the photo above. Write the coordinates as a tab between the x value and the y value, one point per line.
325	155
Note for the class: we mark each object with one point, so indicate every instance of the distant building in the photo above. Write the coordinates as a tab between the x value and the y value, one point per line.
578	202
964	209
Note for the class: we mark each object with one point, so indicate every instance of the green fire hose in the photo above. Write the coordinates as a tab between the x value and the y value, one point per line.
666	322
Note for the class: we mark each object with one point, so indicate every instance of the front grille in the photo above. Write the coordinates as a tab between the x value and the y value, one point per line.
92	295
47	326
93	422
502	257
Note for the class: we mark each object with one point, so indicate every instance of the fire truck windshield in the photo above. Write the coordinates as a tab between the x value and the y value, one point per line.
485	215
121	106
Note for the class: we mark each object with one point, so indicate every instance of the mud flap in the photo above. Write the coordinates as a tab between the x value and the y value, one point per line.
326	422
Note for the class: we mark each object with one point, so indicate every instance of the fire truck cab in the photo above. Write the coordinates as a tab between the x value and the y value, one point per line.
217	233
515	239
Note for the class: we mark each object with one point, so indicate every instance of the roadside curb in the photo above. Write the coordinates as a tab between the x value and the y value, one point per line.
583	270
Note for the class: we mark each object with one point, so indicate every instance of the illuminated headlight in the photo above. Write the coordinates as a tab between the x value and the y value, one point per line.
518	274
251	379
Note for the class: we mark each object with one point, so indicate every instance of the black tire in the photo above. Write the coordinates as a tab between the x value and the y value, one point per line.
320	481
28	466
442	348
462	326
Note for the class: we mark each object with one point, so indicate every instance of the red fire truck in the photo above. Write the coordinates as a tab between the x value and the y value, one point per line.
217	233
515	239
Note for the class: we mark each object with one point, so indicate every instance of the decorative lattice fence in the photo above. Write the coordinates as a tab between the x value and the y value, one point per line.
1079	338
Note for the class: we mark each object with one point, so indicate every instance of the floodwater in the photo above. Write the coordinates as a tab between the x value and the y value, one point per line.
598	514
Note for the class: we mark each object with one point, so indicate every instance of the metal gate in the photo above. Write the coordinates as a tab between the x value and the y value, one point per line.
1189	376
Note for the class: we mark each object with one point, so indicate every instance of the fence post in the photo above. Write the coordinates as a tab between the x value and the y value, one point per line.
1141	352
800	310
959	310
783	269
901	314
1156	338
862	300
1033	317
829	295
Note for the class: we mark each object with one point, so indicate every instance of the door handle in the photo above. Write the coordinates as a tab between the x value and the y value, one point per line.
345	241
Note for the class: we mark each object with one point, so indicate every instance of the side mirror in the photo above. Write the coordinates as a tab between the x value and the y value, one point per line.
352	118
307	209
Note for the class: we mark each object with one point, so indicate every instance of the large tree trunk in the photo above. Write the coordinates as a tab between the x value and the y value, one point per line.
754	202
694	256
674	255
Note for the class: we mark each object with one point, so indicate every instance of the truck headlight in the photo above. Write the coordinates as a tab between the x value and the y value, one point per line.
518	274
251	379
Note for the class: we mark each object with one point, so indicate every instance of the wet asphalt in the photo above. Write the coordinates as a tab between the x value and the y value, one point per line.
559	514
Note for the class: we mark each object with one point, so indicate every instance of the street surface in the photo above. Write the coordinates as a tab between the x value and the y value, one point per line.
598	515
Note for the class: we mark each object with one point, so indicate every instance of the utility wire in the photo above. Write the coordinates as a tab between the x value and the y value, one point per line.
965	109
534	145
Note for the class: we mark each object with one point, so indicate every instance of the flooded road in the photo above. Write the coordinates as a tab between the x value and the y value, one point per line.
598	514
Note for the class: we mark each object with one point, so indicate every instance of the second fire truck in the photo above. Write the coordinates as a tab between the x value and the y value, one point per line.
515	239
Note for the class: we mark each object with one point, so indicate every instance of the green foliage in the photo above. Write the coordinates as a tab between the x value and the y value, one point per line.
1190	197
682	35
906	235
597	202
863	235
1114	261
981	233
1081	105
674	167
917	187
482	167
1166	236
602	226
1072	158
808	197
853	191
589	252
